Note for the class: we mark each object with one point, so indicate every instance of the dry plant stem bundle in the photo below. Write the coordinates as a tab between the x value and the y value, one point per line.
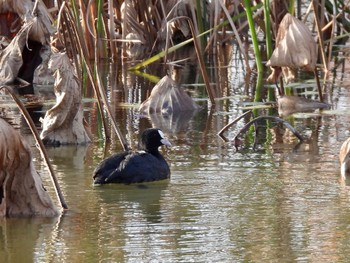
94	77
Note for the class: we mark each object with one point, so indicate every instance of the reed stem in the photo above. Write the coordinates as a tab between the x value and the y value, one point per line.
268	39
258	90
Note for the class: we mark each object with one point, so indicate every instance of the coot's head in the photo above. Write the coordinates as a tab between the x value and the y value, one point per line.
151	139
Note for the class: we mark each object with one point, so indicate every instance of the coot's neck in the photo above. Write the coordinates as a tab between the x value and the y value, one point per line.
152	150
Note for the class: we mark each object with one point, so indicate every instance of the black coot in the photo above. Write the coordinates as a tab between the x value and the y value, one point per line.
128	167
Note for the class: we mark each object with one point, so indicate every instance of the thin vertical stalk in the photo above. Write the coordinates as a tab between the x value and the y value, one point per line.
259	64
334	26
321	45
235	31
112	29
319	34
99	23
108	109
291	8
268	28
84	54
268	39
100	31
299	9
200	20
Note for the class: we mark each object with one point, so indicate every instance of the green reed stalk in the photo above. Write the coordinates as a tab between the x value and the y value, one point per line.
258	90
268	39
291	8
100	31
99	18
75	12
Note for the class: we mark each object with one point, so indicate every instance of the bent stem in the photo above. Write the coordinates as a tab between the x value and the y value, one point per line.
39	142
277	119
221	132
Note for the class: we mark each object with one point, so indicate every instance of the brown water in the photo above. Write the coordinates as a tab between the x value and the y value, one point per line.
274	203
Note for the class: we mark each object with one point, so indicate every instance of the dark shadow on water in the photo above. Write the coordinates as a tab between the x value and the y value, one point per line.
146	195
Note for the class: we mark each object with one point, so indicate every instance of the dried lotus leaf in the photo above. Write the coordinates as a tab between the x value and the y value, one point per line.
295	48
63	123
167	97
22	192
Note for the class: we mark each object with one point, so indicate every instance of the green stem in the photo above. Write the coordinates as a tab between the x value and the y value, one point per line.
291	8
258	60
268	38
99	19
100	33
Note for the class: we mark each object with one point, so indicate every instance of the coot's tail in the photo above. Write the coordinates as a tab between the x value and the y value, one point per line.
99	179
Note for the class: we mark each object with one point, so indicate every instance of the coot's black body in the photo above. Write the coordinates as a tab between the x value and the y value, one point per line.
128	167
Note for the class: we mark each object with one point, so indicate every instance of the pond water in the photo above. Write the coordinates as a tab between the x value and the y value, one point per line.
276	202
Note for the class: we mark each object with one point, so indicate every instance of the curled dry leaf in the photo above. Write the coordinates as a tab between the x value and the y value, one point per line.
295	48
42	26
167	97
63	123
34	27
21	190
11	57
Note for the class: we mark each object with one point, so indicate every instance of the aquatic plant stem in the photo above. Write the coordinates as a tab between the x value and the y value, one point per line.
268	40
114	123
97	84
258	90
268	28
200	21
291	8
235	31
84	55
321	45
39	142
100	31
320	38
221	132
